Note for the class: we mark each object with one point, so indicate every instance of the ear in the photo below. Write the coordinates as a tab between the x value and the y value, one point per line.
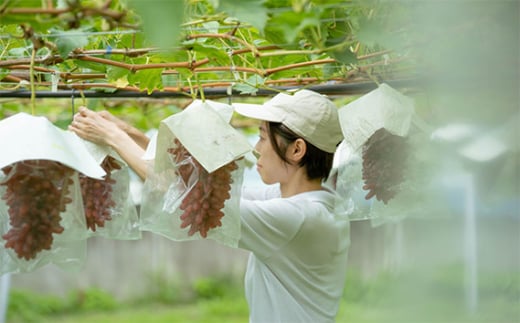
297	150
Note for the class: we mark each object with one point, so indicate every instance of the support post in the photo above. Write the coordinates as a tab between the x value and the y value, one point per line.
470	246
4	296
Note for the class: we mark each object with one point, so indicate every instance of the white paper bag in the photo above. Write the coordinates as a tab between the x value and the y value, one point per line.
383	107
210	139
26	137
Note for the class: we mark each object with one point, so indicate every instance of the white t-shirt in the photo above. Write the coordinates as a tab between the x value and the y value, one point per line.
297	268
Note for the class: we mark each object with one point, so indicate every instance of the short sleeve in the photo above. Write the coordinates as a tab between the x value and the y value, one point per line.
268	225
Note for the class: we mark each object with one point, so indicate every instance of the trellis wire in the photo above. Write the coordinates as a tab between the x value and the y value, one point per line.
327	89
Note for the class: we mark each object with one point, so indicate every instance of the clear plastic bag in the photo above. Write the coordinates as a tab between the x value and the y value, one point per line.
413	195
40	189
41	217
419	192
109	209
193	189
346	178
186	202
376	128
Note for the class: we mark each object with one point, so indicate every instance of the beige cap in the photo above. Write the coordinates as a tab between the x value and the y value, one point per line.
307	113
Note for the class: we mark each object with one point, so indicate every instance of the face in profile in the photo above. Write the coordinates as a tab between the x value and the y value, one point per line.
271	168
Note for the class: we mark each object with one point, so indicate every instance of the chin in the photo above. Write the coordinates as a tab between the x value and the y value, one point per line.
266	181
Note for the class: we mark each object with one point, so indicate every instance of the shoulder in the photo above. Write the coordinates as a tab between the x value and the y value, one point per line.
315	199
274	209
261	192
267	225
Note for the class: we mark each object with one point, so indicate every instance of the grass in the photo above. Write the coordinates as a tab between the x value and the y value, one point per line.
404	298
208	311
235	311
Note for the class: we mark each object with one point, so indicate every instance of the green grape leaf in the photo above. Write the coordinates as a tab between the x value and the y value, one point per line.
345	55
250	86
86	65
129	41
214	53
331	70
149	80
185	74
175	56
115	73
67	41
373	32
244	88
275	35
211	26
288	25
336	28
250	11
19	51
3	73
161	20
256	80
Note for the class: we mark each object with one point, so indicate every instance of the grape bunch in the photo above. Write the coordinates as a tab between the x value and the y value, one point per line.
97	195
384	162
203	203
36	193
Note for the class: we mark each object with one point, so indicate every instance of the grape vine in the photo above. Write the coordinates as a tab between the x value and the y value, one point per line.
102	46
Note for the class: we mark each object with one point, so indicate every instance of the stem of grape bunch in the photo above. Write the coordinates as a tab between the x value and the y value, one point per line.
31	81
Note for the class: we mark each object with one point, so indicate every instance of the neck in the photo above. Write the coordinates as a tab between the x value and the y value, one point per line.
299	183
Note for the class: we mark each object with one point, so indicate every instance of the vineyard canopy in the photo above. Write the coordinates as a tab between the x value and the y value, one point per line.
463	54
191	47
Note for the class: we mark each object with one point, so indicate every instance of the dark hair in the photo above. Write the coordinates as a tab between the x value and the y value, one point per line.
317	161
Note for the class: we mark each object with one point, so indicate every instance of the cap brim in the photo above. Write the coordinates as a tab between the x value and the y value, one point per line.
256	111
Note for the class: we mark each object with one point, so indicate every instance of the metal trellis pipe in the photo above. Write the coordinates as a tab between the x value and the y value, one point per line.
327	89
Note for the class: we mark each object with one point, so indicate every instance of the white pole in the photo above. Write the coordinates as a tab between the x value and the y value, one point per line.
4	296
470	246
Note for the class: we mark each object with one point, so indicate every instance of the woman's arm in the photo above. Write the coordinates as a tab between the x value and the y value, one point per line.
93	127
138	136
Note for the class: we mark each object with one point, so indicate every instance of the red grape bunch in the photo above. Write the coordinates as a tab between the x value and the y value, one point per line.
384	162
203	204
36	193
97	195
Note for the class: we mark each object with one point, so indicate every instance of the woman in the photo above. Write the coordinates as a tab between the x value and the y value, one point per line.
297	266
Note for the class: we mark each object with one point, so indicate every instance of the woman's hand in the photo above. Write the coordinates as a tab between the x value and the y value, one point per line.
101	128
94	127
